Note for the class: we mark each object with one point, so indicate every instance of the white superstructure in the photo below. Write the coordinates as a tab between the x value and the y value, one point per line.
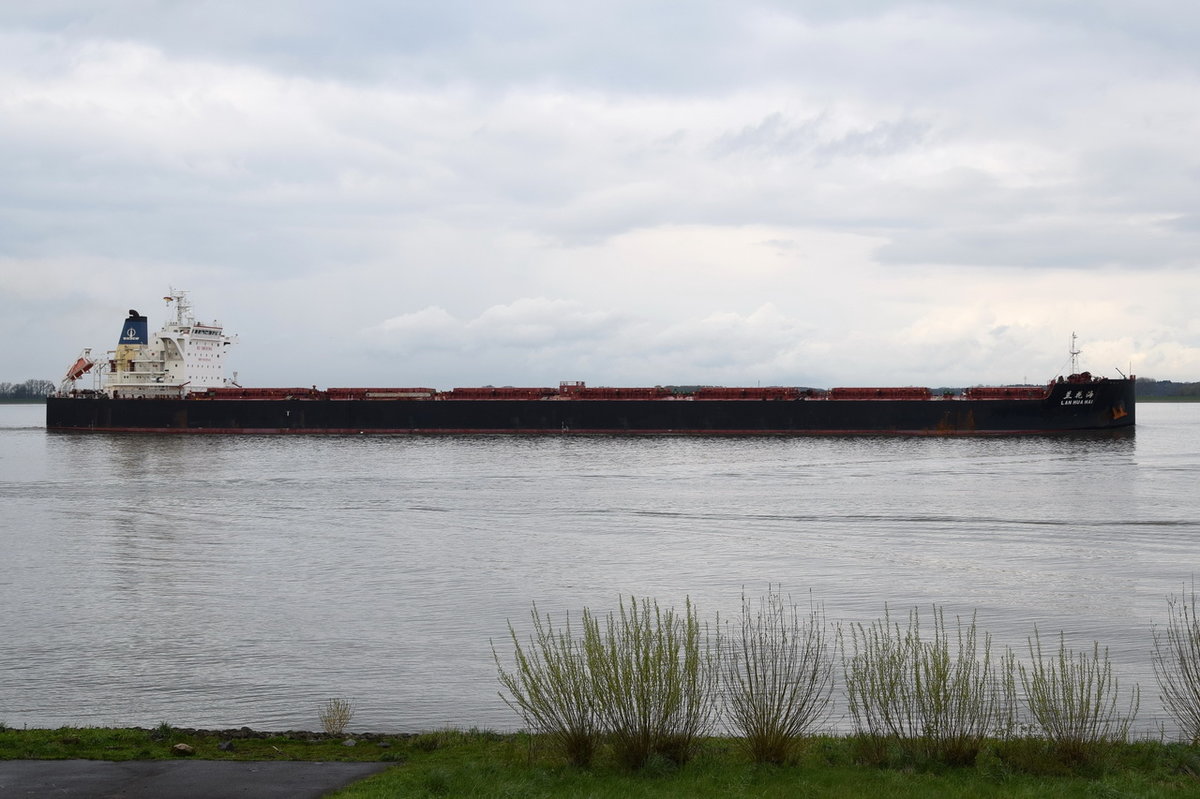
184	356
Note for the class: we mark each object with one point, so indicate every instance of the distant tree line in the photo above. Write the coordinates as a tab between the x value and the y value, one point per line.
29	390
1149	387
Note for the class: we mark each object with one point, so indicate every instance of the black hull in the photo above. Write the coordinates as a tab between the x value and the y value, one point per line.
1100	405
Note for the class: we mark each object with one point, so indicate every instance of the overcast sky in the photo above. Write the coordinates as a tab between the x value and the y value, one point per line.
388	192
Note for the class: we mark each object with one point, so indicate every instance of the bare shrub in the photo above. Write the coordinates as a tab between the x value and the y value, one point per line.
1072	697
933	699
654	676
777	676
335	715
551	688
1177	663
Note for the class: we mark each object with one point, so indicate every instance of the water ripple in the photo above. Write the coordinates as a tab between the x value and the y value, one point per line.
225	580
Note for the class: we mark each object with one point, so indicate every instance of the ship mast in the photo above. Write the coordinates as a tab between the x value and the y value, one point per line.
1074	355
183	308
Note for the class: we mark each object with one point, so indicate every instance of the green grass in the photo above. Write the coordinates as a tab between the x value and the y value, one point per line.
486	764
512	766
95	743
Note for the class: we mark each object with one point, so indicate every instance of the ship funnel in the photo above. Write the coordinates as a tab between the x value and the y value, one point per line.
134	331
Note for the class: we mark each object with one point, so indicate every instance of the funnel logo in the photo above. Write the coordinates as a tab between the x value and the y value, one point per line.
134	331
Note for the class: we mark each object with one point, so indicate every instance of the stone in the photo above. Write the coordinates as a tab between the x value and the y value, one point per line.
182	750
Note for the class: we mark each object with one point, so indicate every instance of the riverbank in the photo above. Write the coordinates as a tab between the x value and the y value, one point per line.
138	743
483	763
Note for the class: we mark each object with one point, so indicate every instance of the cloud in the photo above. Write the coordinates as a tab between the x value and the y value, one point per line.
562	335
430	327
634	191
1134	244
530	323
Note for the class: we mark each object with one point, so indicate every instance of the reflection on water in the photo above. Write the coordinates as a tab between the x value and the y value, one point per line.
221	581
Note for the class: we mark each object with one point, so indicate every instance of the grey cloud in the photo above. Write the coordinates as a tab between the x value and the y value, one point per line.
391	156
1189	223
1067	245
775	136
625	45
529	323
634	45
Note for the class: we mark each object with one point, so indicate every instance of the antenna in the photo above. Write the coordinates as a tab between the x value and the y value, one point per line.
182	307
1074	355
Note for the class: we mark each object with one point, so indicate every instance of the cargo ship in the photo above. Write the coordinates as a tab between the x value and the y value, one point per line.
174	382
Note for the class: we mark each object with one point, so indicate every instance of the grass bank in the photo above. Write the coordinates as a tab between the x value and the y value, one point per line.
487	764
136	743
481	765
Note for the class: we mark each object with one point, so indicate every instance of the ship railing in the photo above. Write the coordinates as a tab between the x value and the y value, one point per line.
256	393
881	393
756	393
380	393
636	393
1006	392
500	393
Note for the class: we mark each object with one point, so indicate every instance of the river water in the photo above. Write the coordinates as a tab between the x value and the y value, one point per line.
219	581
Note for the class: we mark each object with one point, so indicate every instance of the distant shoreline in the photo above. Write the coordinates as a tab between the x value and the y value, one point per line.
26	401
